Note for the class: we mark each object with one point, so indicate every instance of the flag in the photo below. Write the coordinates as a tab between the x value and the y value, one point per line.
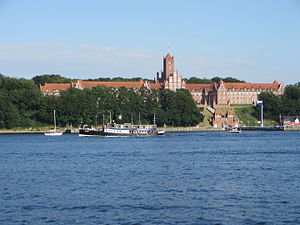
259	103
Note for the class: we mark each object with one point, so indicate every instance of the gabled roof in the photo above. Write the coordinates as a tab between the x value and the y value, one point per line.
218	112
230	112
155	86
51	87
274	85
90	84
200	87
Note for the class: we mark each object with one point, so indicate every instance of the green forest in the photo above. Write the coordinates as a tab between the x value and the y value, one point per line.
276	106
23	105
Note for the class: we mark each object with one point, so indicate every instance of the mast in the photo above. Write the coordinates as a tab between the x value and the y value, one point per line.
110	116
262	114
54	120
96	117
139	117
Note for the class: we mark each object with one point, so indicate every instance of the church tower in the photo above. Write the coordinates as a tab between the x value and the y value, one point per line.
168	66
169	76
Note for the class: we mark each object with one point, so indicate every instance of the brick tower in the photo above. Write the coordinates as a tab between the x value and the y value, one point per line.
168	66
169	77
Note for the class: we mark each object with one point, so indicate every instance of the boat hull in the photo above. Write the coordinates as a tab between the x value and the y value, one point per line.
89	132
53	134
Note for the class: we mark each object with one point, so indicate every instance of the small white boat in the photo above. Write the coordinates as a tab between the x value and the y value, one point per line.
162	132
53	132
235	130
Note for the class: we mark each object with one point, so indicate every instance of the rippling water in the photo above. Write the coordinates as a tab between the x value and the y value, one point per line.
181	178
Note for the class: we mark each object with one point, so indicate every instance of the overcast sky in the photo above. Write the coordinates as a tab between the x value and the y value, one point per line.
256	41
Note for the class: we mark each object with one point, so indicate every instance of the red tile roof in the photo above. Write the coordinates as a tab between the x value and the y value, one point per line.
132	84
51	87
154	86
218	112
230	112
199	87
274	85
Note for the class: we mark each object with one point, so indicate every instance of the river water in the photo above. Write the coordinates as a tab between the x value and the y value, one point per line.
180	178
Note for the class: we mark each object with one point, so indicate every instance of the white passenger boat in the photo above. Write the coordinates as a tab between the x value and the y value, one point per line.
121	130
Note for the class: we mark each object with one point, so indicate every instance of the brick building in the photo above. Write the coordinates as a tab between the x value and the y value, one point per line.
226	120
215	94
55	88
170	79
231	93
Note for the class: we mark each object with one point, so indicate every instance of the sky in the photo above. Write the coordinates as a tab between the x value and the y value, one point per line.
255	41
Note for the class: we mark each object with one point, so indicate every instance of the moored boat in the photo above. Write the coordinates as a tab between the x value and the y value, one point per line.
235	130
53	132
121	130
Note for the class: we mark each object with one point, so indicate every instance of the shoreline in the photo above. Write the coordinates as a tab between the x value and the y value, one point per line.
170	129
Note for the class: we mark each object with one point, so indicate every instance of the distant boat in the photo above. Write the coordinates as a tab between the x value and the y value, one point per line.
53	132
235	130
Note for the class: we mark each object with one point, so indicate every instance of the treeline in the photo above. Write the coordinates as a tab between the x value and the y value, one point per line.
51	78
196	80
23	105
286	105
55	78
20	101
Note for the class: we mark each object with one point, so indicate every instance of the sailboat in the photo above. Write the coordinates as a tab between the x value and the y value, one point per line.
53	132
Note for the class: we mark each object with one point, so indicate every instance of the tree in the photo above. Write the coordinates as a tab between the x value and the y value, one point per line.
20	101
288	104
196	80
53	78
227	80
272	106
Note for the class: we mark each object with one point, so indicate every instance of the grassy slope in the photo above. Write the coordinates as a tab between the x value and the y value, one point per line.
206	120
243	112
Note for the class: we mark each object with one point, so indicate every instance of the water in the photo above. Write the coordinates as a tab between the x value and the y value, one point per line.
181	178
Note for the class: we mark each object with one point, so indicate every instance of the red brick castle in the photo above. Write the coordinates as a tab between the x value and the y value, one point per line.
215	94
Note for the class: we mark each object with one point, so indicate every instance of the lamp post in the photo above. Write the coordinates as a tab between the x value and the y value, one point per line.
261	104
97	106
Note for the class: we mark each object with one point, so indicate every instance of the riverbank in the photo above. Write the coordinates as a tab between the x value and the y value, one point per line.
169	129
